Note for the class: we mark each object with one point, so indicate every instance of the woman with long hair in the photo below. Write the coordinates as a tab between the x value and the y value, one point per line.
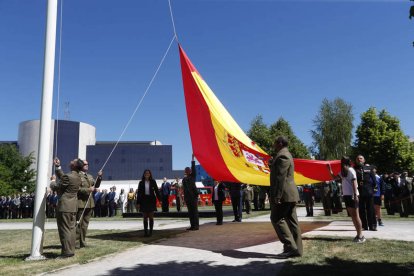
147	199
350	194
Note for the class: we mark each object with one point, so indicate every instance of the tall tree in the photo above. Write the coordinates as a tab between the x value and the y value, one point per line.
259	133
265	136
382	142
15	172
282	128
332	135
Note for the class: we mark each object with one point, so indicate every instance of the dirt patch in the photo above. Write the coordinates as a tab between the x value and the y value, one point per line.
232	235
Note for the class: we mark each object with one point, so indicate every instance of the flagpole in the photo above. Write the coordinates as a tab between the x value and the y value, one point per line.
43	161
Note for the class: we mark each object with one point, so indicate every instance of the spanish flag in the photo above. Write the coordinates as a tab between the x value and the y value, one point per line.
222	147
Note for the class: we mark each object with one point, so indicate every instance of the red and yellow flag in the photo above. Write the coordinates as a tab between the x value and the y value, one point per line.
222	147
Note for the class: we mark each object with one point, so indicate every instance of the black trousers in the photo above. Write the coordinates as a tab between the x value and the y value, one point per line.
366	212
193	212
165	203
237	207
218	205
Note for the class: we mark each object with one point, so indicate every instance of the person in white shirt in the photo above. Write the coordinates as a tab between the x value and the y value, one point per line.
350	194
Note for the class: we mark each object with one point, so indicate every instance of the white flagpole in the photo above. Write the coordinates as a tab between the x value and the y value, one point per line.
43	161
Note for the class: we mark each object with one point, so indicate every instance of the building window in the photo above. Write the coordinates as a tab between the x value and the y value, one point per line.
161	160
161	169
109	177
123	160
97	161
148	160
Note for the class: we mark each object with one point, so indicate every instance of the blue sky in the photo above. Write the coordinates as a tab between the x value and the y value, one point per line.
274	58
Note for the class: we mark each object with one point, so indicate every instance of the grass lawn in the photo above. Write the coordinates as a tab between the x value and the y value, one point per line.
15	246
340	256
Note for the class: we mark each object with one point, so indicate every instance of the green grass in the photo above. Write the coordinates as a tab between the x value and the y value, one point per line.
340	256
15	246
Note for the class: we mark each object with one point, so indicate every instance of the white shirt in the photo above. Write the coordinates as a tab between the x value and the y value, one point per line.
147	187
216	192
348	183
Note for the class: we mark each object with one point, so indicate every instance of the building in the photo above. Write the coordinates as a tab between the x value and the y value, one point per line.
120	161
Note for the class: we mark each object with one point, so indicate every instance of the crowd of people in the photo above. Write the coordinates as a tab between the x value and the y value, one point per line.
17	206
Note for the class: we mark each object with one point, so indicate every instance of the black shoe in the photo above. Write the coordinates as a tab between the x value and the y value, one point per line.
234	220
373	229
194	229
288	254
219	223
190	229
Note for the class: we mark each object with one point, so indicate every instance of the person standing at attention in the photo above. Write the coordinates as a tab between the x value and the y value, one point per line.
131	198
218	198
367	186
283	198
191	195
165	195
147	200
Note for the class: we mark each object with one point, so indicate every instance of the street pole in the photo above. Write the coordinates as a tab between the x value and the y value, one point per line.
43	161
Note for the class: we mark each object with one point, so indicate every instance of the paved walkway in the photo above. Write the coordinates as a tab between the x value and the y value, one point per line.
250	246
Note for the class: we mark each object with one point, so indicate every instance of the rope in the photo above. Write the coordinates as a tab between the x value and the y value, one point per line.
139	103
172	20
58	84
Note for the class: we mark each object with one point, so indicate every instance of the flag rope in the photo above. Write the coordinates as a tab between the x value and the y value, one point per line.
172	20
58	75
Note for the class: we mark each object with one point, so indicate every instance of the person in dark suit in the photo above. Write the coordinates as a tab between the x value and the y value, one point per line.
218	198
165	195
147	199
67	188
191	195
283	198
236	200
367	186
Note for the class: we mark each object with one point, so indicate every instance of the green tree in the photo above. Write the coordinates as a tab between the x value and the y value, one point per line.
15	172
265	136
282	128
332	135
381	141
259	133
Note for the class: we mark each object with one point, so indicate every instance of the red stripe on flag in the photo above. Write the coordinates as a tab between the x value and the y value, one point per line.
202	132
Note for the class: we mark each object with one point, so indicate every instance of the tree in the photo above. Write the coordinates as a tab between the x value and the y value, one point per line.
282	128
15	172
259	133
265	136
333	130
382	142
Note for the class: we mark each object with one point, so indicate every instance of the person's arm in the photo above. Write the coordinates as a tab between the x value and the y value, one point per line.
58	169
156	190
193	167
98	180
282	165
